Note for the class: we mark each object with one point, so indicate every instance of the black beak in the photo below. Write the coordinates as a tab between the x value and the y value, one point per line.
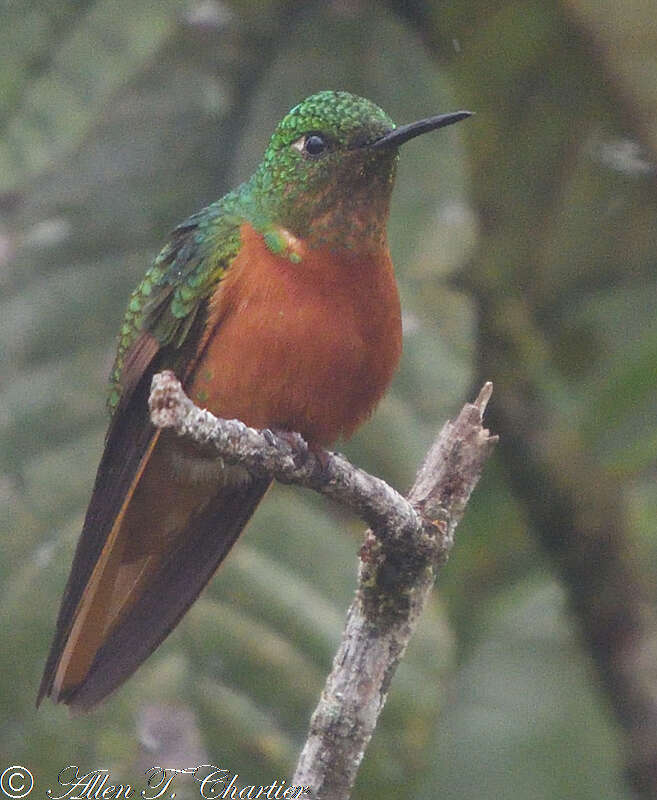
403	133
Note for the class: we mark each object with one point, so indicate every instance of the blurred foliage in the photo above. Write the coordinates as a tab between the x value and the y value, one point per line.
524	242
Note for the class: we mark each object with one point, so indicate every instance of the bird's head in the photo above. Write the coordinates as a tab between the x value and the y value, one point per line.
329	169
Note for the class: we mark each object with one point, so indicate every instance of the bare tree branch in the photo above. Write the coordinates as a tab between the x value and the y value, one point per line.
408	540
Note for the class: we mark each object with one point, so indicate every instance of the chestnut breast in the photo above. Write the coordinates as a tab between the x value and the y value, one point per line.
308	343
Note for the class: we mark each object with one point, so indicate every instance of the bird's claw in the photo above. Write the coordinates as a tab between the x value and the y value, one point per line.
297	444
301	450
323	457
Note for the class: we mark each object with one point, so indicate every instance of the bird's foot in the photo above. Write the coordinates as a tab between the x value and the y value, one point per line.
302	451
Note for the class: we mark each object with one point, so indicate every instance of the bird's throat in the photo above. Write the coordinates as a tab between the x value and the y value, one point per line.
346	210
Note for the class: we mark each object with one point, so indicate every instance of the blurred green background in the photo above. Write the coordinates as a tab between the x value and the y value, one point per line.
525	247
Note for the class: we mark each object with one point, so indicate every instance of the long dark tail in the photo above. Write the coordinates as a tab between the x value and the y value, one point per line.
169	535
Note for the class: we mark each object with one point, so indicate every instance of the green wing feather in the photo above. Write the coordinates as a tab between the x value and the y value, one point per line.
174	290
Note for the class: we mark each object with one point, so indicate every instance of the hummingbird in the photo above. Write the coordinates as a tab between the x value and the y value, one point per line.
276	305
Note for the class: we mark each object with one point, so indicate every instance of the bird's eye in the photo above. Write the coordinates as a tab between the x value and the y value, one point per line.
313	145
